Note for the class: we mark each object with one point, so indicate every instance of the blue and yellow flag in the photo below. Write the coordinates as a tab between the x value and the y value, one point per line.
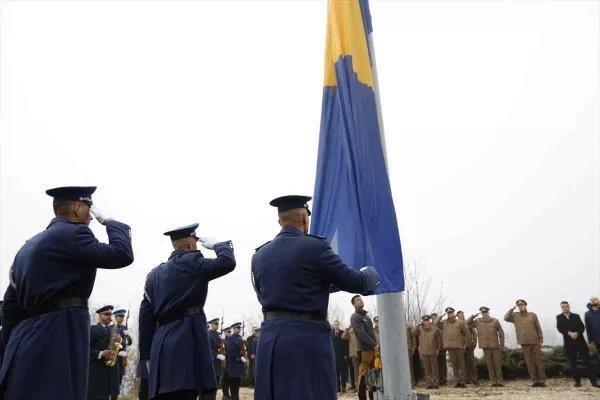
353	205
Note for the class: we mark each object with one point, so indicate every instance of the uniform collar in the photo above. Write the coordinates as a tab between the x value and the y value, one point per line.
289	229
180	252
63	220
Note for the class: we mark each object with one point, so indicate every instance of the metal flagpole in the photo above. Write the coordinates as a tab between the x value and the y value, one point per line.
390	306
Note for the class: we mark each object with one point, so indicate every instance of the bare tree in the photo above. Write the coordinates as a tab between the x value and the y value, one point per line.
336	312
418	300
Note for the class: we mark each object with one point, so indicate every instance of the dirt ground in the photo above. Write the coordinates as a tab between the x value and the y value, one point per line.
558	389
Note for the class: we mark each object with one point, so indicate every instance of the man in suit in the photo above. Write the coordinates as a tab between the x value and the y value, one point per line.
293	276
45	303
572	328
104	380
173	336
340	346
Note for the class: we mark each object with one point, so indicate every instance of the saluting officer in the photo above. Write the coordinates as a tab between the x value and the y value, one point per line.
127	341
104	380
292	276
491	341
173	335
454	339
236	363
45	305
215	344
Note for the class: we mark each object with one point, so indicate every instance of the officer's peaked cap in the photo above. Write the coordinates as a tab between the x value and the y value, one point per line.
425	317
122	311
236	325
104	309
449	310
182	232
72	193
483	308
228	329
291	202
214	321
521	301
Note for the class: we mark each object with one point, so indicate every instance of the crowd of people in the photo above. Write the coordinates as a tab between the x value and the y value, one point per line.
450	335
49	345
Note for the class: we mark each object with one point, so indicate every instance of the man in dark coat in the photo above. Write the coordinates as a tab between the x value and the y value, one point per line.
249	342
127	341
104	380
236	362
341	349
46	322
225	379
215	346
173	335
572	328
592	322
255	347
293	276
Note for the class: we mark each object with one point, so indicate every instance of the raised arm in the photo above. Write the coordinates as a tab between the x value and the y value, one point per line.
118	253
342	276
213	268
508	317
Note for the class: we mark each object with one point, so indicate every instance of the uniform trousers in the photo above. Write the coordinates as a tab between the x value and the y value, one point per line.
341	373
471	366
352	376
178	395
457	358
225	385
535	365
580	347
144	389
412	367
443	367
430	364
356	370
494	364
366	359
251	372
234	384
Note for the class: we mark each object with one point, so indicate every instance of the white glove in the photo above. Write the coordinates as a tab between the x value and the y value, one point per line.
208	242
243	360
221	357
123	354
148	366
126	333
99	214
223	336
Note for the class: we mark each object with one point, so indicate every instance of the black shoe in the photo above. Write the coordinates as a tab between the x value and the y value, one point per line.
541	385
430	387
457	385
436	387
595	384
463	385
577	384
500	384
535	384
494	385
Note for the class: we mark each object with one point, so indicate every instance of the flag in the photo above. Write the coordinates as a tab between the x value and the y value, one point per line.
353	205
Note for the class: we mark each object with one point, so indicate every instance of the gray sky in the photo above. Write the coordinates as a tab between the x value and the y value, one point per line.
205	111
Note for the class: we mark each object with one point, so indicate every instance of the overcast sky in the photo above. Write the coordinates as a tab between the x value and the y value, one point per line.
203	112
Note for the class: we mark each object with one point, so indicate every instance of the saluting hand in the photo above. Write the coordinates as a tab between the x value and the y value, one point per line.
100	215
208	242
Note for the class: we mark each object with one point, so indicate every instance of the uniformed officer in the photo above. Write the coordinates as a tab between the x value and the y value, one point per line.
104	380
471	373
215	345
454	338
173	335
442	357
45	305
142	374
127	341
292	276
225	381
255	347
236	362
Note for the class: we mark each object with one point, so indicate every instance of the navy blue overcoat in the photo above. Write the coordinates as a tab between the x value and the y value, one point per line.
57	264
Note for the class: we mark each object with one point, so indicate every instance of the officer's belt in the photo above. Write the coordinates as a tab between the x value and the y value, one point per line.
54	305
179	315
312	316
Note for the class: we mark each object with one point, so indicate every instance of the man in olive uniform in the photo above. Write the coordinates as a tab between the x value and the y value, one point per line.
491	341
531	339
454	338
470	359
430	344
442	358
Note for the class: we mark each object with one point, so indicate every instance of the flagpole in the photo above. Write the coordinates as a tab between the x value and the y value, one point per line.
390	306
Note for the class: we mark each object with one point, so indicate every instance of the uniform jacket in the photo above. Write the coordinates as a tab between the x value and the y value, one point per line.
430	339
592	324
295	272
235	366
127	341
527	327
455	334
471	337
249	341
571	324
103	380
56	264
340	345
489	331
363	328
215	344
179	351
350	336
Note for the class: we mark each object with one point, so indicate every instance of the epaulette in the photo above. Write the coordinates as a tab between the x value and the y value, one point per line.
261	246
317	236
